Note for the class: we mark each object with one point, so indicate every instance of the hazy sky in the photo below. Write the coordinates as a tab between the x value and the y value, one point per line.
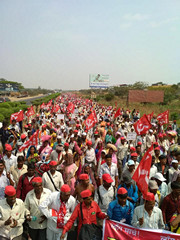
58	43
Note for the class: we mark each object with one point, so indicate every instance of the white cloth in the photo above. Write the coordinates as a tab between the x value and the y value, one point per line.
155	221
90	156
153	171
57	179
9	162
53	202
17	213
4	181
32	206
16	173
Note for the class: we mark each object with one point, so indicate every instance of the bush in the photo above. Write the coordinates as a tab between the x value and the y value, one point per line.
109	97
174	116
5	105
1	118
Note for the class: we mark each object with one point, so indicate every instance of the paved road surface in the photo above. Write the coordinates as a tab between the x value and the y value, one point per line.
28	101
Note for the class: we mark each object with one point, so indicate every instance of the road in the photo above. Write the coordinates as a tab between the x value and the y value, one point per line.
29	100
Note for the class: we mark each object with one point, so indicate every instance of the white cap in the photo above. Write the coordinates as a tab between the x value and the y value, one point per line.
160	177
84	134
131	162
59	137
150	130
174	161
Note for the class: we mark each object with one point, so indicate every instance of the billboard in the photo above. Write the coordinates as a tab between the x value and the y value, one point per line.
9	87
98	81
145	96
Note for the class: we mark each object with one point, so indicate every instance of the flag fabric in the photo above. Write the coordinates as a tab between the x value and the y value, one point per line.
30	112
142	125
91	121
163	118
150	116
42	105
32	141
113	230
18	116
70	107
141	175
118	113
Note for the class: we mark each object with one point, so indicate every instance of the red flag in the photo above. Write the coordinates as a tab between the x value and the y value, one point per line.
49	103
42	105
163	118
70	107
91	120
118	112
150	116
141	175
30	112
32	141
18	116
142	125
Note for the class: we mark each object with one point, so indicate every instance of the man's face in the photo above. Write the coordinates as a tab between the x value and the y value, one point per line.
65	196
106	184
20	163
1	167
176	192
154	191
163	161
149	205
108	161
52	168
87	201
122	201
30	172
11	200
85	182
38	187
131	168
8	153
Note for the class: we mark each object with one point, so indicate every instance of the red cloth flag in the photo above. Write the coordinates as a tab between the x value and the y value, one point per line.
163	118
118	113
150	116
91	121
70	107
42	105
49	103
141	175
142	125
30	112
32	141
18	116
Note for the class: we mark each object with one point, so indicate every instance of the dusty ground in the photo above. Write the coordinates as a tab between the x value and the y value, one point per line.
15	99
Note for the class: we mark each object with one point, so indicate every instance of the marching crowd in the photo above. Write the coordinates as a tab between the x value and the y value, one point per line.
61	170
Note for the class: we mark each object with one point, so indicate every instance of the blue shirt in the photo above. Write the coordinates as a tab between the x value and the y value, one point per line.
117	212
132	191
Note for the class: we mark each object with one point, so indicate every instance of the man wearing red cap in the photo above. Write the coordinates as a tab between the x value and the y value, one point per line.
150	138
147	215
12	212
52	179
36	220
90	156
9	158
57	208
83	185
121	210
105	193
90	210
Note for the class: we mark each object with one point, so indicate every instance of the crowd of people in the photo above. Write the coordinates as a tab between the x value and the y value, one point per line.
76	176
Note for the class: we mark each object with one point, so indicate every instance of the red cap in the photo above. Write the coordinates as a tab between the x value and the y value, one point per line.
122	138
86	193
106	177
96	133
75	131
155	143
134	154
139	143
29	125
157	148
23	136
8	147
132	148
89	143
44	126
164	135
10	191
53	163
108	124
149	196
77	125
122	191
66	144
37	180
26	126
83	176
65	188
160	135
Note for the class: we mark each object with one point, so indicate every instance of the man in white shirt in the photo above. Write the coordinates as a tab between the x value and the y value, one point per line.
53	208
111	169
14	125
173	169
36	220
153	169
52	179
150	138
9	158
105	193
90	156
12	212
147	215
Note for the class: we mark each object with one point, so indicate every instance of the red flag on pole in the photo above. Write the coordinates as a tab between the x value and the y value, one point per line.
70	107
163	118
118	113
30	112
32	141
18	116
42	105
141	175
142	125
91	120
150	116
